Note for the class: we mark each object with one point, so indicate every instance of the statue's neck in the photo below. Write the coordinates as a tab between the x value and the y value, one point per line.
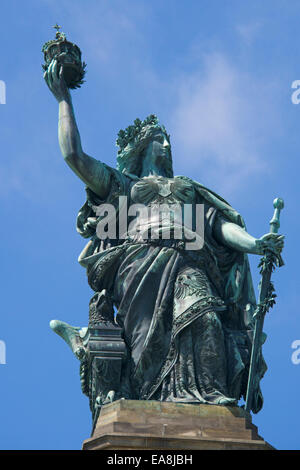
149	170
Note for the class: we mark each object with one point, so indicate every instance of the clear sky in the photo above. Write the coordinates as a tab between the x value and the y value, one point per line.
218	74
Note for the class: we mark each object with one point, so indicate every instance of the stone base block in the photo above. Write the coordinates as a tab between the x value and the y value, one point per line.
153	425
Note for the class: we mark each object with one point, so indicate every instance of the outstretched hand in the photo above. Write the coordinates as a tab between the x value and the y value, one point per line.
271	242
56	82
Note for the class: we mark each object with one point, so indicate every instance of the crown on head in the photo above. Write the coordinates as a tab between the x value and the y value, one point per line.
131	133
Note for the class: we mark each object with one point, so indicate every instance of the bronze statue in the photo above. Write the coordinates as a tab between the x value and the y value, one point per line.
185	314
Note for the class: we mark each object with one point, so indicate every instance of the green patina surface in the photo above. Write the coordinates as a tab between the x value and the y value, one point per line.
186	319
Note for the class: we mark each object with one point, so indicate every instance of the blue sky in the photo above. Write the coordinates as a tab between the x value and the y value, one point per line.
218	74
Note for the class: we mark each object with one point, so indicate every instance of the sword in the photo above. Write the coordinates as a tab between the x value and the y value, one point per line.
266	301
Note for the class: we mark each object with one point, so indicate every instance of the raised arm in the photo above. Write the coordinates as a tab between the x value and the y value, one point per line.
91	171
234	236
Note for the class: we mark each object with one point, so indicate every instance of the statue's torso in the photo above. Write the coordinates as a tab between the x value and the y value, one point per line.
158	189
164	204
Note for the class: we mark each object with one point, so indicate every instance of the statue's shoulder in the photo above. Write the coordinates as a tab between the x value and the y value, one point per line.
202	189
216	201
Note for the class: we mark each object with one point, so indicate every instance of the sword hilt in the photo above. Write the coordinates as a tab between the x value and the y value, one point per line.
278	205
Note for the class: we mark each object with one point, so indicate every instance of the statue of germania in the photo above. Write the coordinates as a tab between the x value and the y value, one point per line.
184	311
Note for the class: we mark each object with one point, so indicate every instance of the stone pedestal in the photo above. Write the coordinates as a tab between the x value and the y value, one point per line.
153	425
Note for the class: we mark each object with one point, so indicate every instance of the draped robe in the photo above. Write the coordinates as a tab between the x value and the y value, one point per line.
186	314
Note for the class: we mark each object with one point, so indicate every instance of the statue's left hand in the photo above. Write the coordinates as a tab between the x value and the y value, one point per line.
271	242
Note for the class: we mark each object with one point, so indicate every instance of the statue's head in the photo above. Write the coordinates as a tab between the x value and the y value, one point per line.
143	147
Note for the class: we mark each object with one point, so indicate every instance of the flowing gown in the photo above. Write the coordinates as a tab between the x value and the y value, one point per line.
186	314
